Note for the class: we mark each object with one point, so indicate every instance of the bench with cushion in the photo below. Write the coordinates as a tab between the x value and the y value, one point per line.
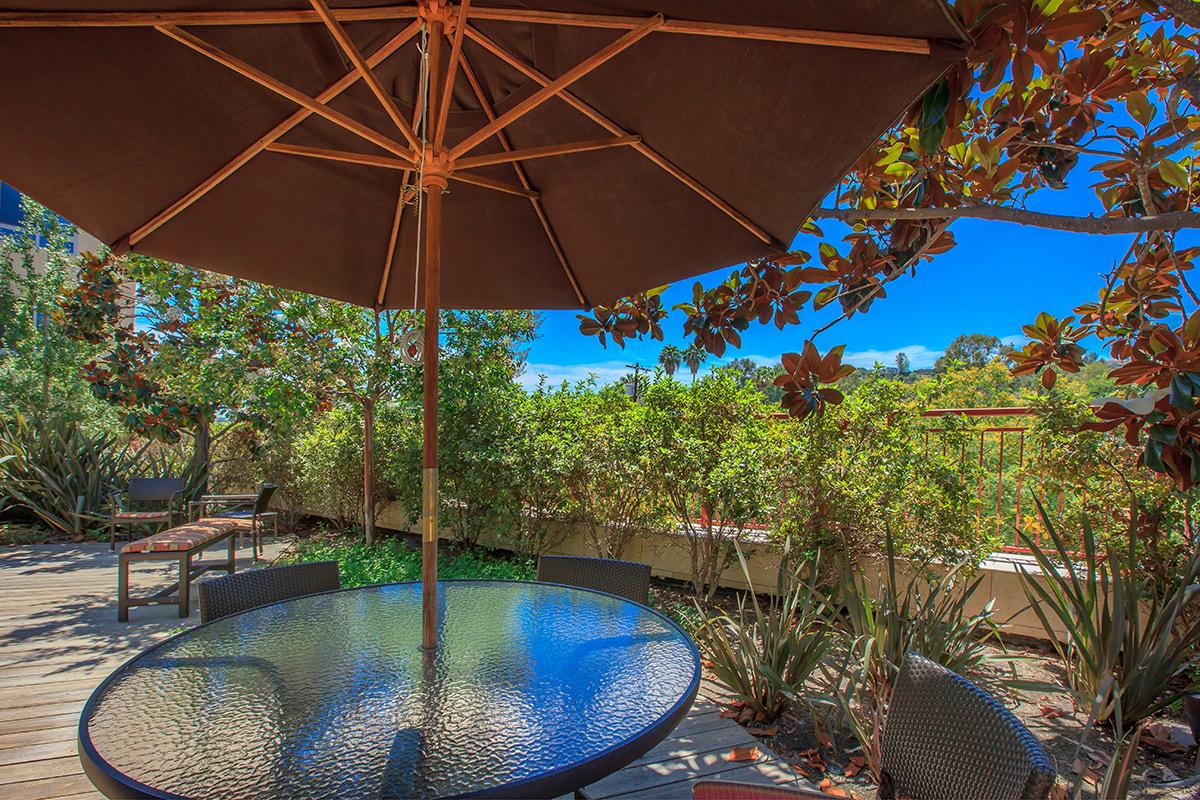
180	544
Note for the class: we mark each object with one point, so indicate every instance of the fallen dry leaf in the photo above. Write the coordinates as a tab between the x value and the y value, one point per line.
828	788
823	738
1166	738
754	730
1165	745
1050	712
743	754
857	764
732	710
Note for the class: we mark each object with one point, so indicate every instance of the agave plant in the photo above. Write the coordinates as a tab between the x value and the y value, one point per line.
63	476
764	653
930	618
1128	650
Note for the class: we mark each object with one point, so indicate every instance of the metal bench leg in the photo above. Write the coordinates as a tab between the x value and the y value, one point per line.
185	585
123	589
231	558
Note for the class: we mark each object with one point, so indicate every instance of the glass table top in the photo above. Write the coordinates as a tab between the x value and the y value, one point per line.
331	696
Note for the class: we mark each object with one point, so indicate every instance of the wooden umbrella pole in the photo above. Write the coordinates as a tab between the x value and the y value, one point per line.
434	179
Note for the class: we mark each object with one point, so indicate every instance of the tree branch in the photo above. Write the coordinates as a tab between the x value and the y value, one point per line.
1183	10
1170	221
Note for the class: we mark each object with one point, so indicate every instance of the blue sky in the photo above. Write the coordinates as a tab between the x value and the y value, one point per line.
997	279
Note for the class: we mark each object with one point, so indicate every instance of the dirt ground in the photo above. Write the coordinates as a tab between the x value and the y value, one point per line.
1049	715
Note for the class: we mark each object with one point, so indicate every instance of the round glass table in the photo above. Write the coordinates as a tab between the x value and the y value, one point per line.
536	689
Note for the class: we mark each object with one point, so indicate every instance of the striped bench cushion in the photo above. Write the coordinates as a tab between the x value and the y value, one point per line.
185	537
133	516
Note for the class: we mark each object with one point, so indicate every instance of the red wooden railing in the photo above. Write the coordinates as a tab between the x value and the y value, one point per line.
1006	523
1009	496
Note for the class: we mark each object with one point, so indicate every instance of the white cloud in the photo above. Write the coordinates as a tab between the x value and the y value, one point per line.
919	356
604	371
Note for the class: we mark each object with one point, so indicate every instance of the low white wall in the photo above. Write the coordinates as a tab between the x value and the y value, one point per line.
668	558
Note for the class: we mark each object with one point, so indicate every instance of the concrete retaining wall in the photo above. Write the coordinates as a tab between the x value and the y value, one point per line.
668	558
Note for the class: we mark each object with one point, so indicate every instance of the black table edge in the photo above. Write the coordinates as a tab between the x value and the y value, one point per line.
113	783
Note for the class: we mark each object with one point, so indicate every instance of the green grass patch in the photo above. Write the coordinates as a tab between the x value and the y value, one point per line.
392	560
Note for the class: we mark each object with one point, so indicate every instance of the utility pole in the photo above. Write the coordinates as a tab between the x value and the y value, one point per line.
638	369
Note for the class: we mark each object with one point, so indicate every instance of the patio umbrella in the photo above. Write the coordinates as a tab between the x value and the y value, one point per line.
569	152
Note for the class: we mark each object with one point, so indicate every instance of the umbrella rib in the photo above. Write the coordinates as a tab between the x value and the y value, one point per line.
558	85
392	240
299	98
344	156
615	129
542	152
336	88
368	75
152	19
538	208
492	183
858	41
439	128
764	33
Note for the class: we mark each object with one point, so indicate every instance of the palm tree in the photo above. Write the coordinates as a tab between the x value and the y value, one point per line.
694	356
669	359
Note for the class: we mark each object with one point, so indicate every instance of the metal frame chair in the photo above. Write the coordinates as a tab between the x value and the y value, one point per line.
245	590
628	579
144	491
258	511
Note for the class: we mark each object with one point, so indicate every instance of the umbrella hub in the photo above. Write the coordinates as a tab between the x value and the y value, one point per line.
436	168
442	11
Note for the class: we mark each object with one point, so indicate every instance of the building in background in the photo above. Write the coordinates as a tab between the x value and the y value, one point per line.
10	222
81	242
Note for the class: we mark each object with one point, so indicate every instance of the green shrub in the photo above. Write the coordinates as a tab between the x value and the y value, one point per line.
612	481
328	453
763	654
862	470
715	455
392	560
1129	650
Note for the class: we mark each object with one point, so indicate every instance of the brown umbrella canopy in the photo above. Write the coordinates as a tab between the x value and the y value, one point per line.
700	139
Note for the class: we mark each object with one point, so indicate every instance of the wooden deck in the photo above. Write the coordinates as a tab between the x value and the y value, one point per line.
59	638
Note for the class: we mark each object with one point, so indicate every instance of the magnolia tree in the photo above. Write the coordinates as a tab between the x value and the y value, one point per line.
1053	91
183	351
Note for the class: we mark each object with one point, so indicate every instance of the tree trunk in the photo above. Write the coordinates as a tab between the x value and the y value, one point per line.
201	445
368	405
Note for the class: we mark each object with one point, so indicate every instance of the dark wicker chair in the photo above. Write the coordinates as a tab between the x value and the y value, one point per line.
628	579
233	593
944	737
147	502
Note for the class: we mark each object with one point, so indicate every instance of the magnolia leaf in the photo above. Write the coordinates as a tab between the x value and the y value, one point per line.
1139	107
1173	173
